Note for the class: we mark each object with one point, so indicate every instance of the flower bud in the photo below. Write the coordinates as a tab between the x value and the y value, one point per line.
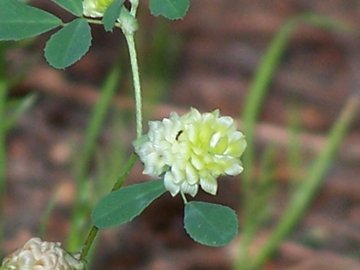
191	151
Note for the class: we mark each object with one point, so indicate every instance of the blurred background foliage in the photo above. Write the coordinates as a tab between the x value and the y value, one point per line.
290	80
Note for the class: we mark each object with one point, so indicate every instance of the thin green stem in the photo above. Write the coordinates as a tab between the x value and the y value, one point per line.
134	7
118	184
94	21
183	197
128	166
136	80
138	110
88	242
100	22
313	181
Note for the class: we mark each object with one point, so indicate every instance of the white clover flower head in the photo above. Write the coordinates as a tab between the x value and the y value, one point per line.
95	8
41	255
191	150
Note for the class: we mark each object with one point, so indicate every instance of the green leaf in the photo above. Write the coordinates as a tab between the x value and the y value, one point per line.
73	6
69	44
171	9
123	205
210	224
20	21
112	13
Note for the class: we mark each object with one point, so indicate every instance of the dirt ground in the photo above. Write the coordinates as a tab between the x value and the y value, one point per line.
221	45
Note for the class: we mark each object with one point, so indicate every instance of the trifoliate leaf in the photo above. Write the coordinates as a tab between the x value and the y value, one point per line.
69	44
19	20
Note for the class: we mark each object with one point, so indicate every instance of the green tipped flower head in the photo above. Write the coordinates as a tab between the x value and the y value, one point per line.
95	8
191	150
40	255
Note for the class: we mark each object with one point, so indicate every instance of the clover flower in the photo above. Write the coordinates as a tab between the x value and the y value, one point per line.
95	8
40	255
191	150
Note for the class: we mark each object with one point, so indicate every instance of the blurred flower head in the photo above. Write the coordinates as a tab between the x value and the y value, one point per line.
191	150
95	8
40	255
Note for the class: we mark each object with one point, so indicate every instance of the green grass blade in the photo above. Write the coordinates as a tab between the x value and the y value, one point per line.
260	85
313	181
21	107
294	152
258	91
45	217
92	133
265	73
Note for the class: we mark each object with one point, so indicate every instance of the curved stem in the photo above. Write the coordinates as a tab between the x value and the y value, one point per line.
183	197
118	184
136	80
138	110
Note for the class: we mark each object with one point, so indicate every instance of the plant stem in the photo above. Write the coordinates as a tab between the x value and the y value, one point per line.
128	166
134	7
314	179
136	80
88	242
138	111
3	95
183	197
118	184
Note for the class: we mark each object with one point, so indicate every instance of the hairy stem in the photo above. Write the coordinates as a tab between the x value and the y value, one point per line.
136	80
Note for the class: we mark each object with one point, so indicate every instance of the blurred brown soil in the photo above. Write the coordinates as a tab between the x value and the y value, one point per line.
222	46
